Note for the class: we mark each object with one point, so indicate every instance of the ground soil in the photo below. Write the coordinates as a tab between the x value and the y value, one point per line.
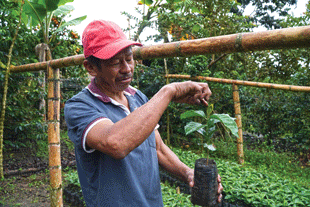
26	181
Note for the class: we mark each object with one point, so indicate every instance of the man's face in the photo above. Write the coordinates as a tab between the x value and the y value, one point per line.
116	73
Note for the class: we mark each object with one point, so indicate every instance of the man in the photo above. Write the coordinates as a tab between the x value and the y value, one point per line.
114	126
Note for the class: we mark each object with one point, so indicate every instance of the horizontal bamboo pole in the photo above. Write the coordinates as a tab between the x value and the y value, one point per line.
56	63
244	83
297	37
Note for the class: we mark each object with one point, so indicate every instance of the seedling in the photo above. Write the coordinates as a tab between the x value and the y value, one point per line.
208	124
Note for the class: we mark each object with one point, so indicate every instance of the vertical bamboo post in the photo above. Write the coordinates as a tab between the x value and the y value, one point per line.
53	118
239	123
167	111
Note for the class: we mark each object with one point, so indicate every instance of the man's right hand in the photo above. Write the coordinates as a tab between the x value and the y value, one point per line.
190	92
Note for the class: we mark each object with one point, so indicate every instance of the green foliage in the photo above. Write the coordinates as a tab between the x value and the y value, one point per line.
267	13
208	123
257	187
24	124
41	13
172	198
284	164
277	115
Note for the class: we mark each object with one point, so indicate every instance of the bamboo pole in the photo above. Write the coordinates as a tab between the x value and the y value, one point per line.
5	90
167	111
239	124
57	63
53	117
244	83
297	37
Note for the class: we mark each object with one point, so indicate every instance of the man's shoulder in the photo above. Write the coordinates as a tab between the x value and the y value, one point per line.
82	95
137	94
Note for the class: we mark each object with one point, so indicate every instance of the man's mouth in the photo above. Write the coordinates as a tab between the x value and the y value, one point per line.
125	79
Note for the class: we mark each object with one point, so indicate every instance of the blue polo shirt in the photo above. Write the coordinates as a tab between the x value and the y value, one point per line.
105	181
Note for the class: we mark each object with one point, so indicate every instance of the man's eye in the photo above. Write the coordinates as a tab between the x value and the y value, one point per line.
115	63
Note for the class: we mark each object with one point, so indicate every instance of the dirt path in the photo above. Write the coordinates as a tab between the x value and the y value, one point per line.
25	191
28	189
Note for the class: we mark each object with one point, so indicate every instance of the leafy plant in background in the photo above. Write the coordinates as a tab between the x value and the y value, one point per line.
207	126
24	125
42	12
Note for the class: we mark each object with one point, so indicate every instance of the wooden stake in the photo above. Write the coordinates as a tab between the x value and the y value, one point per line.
239	124
53	118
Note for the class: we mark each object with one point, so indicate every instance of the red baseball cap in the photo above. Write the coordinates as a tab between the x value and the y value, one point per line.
104	39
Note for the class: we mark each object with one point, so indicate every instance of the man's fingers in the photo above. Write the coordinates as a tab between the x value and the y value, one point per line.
204	102
219	199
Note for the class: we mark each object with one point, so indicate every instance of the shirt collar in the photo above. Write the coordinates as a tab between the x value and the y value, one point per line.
93	89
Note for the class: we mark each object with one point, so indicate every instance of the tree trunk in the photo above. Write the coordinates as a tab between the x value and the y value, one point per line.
5	91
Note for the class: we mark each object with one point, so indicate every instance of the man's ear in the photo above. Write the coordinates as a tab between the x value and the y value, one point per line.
91	69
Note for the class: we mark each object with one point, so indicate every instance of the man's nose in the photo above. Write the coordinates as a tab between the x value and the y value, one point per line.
125	67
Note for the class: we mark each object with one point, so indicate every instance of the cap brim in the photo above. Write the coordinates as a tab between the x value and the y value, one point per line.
112	49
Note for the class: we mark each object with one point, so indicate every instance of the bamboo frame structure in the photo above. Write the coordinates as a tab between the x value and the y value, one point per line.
244	83
239	124
53	118
297	37
237	100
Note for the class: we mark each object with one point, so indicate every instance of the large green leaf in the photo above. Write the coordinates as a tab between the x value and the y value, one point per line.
72	22
191	127
35	11
227	121
193	113
51	5
63	10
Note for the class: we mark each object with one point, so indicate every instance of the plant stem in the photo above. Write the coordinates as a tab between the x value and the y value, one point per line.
5	91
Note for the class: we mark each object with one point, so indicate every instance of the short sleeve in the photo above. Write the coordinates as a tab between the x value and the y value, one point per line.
81	115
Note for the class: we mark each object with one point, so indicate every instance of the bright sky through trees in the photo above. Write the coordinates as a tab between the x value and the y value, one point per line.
111	10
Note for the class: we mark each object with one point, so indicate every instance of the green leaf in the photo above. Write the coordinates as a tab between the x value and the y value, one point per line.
51	5
210	109
228	122
72	22
195	9
63	10
192	127
174	1
192	113
209	146
36	12
147	2
196	28
63	2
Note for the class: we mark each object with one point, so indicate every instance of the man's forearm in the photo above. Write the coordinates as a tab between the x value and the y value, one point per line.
170	162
